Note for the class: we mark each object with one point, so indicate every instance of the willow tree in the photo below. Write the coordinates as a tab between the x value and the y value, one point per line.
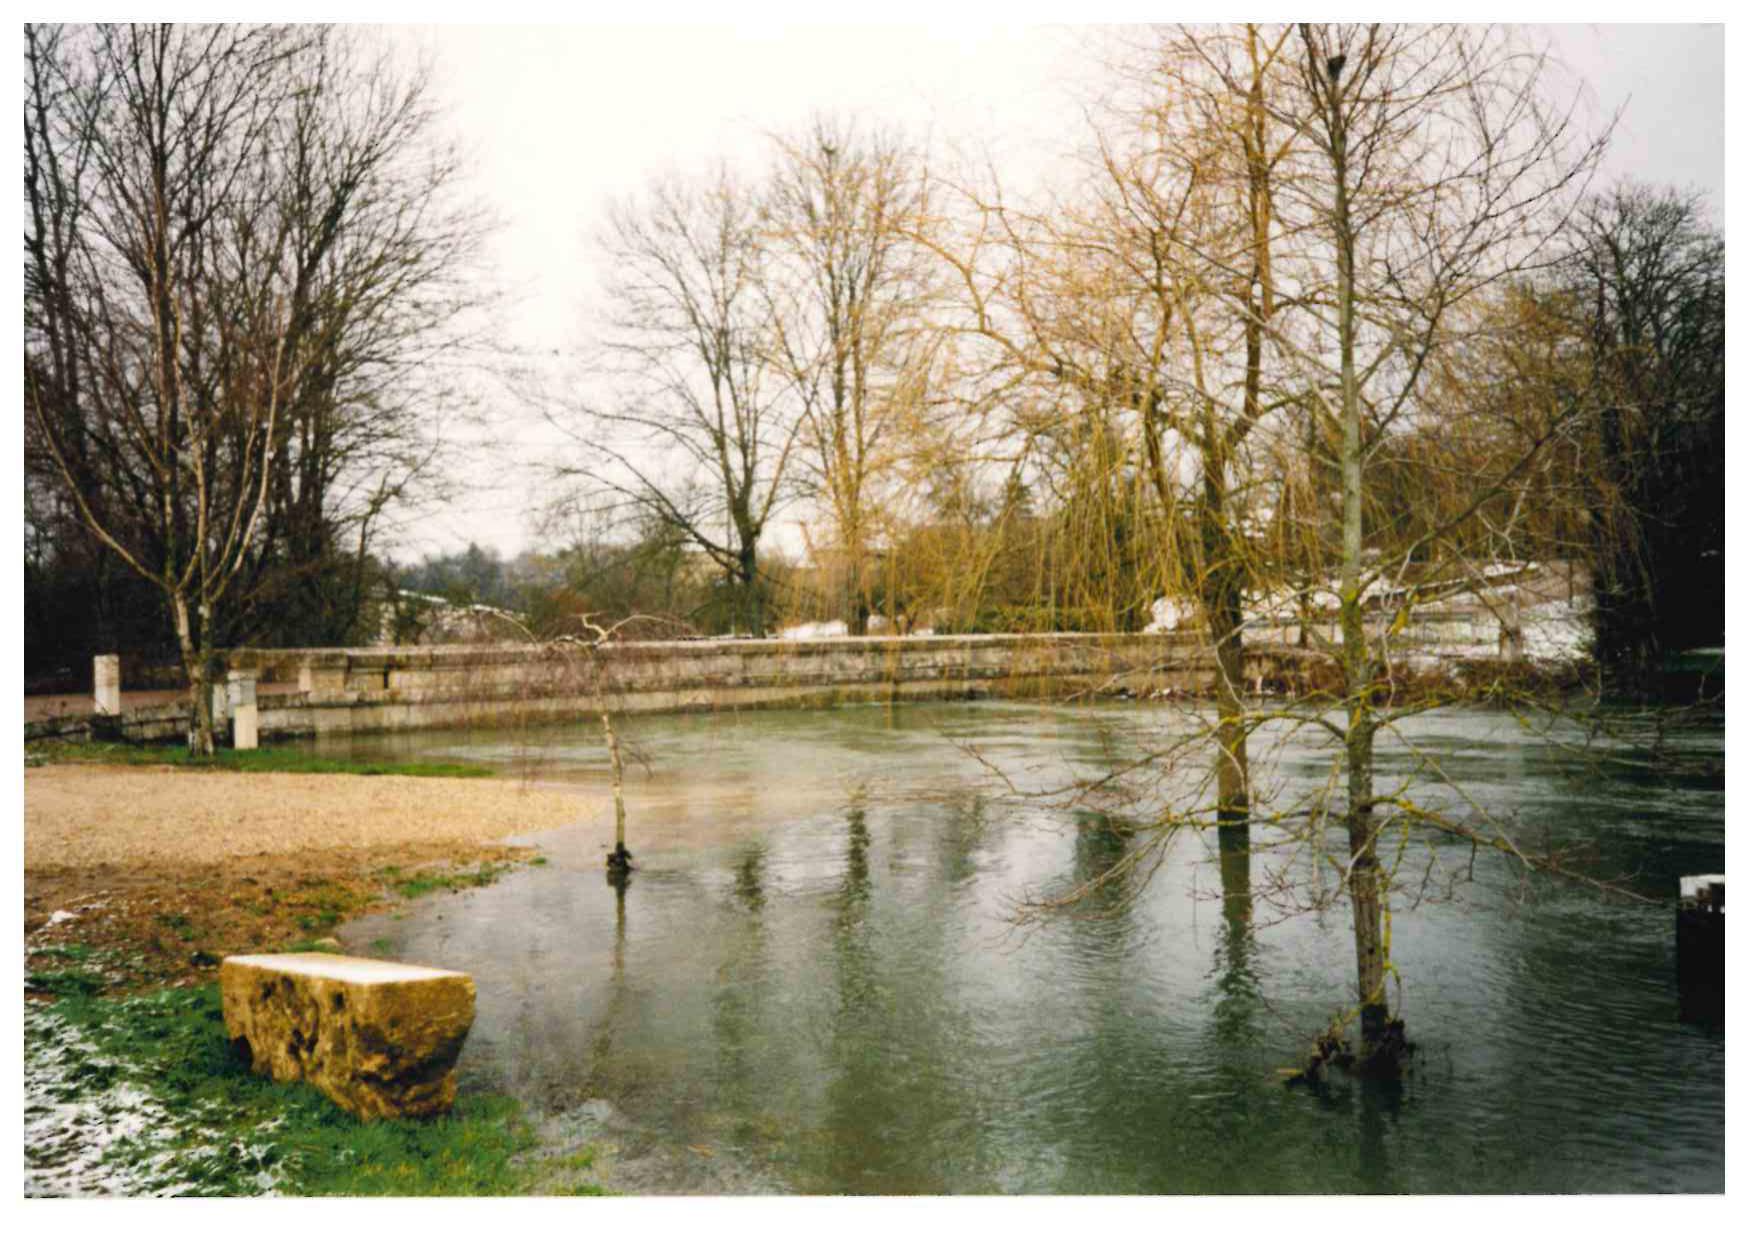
1141	299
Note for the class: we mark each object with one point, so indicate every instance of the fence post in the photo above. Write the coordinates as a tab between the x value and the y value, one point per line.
106	683
240	689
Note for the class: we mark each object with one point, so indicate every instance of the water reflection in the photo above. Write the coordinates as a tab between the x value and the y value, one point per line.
835	994
1235	1026
613	1010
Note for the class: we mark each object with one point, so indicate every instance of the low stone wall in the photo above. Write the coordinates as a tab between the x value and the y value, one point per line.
389	689
395	689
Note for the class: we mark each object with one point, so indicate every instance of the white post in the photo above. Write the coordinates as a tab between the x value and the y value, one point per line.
240	689
221	703
106	683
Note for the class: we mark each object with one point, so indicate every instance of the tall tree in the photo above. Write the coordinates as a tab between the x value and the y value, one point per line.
383	247
1121	304
849	292
1646	278
699	431
162	316
1435	173
242	255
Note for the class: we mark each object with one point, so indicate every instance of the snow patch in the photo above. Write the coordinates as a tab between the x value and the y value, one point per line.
91	1131
1167	615
813	630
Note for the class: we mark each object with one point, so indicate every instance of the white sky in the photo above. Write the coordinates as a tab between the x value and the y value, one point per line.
559	121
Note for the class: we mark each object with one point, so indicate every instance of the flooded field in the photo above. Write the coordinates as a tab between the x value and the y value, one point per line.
815	982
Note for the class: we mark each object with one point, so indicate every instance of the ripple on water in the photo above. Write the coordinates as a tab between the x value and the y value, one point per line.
834	996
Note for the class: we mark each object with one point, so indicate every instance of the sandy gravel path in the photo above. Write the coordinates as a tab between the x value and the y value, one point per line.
166	870
78	815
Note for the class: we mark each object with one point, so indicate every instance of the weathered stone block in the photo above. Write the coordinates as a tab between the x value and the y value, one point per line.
378	1037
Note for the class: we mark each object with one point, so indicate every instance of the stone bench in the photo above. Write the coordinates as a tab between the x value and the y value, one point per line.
378	1037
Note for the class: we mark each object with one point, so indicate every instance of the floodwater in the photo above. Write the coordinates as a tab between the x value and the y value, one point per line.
817	981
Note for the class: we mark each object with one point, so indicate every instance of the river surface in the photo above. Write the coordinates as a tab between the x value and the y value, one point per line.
820	979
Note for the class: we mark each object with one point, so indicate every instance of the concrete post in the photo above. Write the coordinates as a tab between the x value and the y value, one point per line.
106	683
221	703
240	689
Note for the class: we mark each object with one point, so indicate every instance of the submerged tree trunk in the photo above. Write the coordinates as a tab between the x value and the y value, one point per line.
619	859
1365	886
1235	897
1222	582
1225	623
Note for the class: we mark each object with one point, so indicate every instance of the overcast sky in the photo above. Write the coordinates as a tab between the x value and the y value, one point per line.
559	121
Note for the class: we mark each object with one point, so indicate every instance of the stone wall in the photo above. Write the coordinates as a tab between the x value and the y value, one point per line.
395	689
388	689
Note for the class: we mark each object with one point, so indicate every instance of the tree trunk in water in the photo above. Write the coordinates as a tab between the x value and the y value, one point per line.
1365	887
1234	759
619	859
1235	895
1364	882
1223	605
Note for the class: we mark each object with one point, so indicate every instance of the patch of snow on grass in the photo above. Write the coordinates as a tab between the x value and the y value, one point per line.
92	1131
76	1107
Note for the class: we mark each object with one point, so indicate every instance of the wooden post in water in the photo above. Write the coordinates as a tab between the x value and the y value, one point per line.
1699	947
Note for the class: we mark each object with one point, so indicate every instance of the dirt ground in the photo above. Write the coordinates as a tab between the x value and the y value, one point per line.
156	873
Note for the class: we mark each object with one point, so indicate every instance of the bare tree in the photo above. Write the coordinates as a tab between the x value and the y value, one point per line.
383	249
1434	174
162	309
1418	185
699	429
1117	309
241	257
848	292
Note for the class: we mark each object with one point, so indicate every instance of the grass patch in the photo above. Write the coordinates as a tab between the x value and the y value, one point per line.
64	982
294	761
144	1095
423	883
76	952
311	945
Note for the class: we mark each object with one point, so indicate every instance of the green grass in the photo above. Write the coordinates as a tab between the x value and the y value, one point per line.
64	982
412	886
218	1129
76	952
311	945
296	761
